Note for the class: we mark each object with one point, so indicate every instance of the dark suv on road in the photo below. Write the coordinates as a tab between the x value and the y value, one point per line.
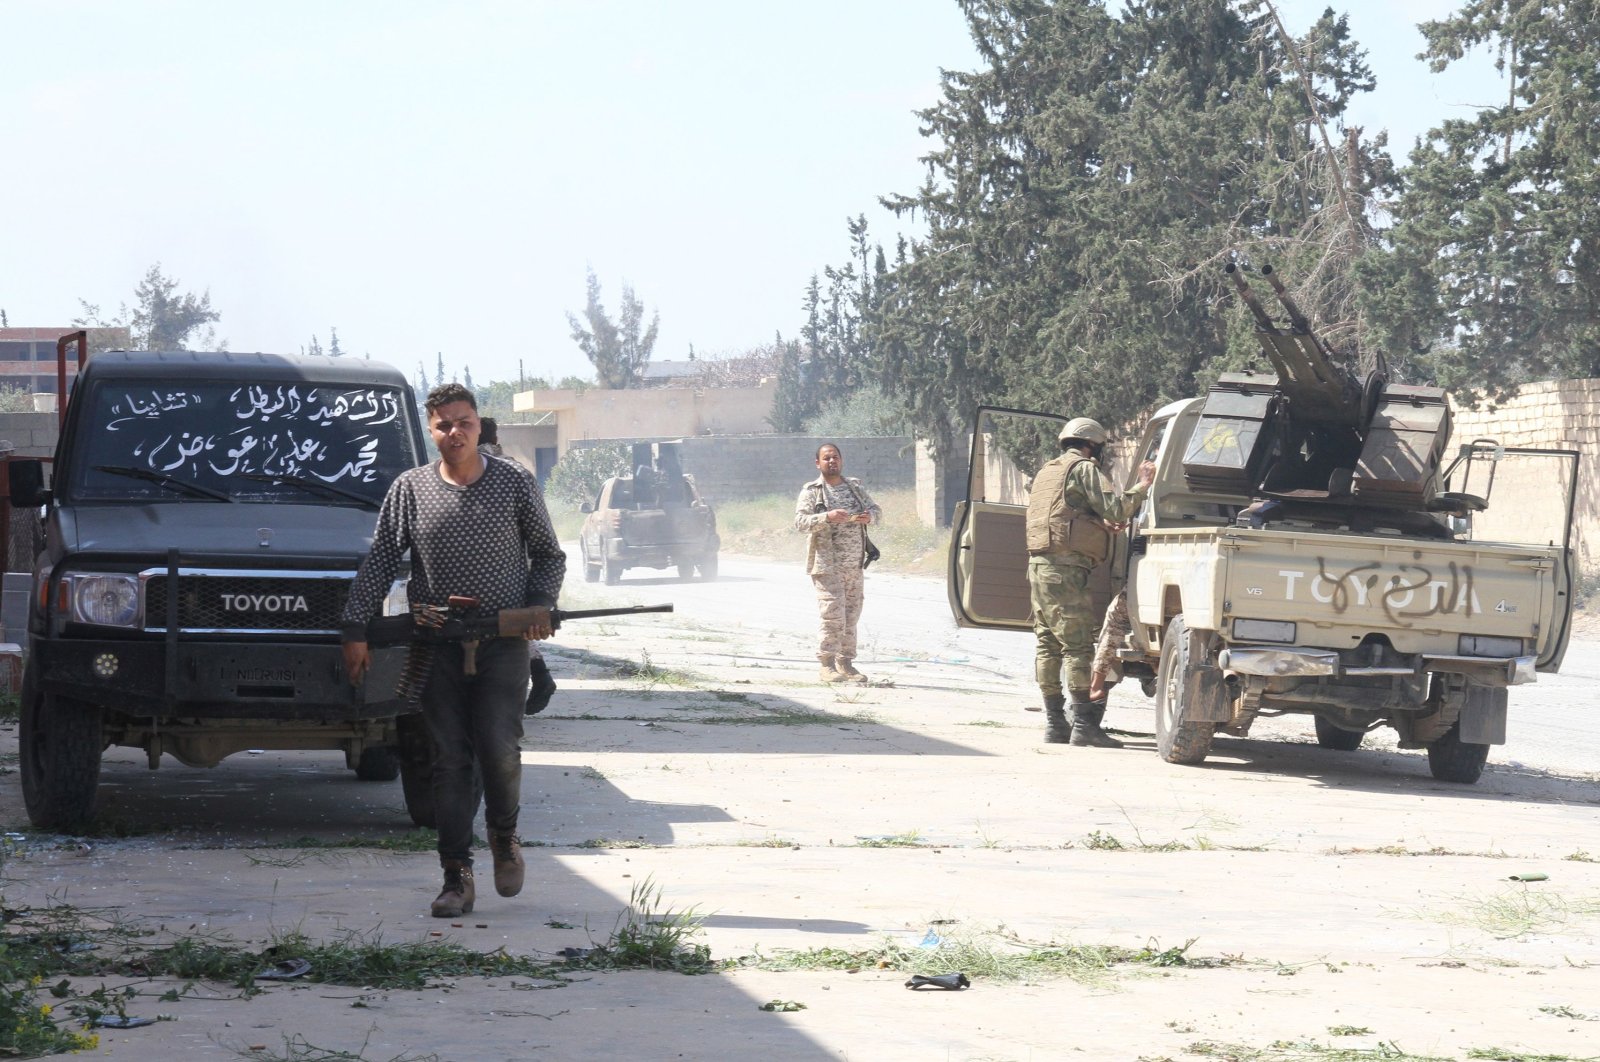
205	518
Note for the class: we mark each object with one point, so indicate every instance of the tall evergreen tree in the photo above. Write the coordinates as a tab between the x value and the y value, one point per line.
162	318
619	350
1496	264
1085	186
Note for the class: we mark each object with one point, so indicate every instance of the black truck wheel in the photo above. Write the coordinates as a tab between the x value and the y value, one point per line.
1178	739
591	569
61	743
378	763
1337	737
1453	760
613	572
686	570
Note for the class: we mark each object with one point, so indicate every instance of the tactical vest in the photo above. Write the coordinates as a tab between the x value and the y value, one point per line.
1056	527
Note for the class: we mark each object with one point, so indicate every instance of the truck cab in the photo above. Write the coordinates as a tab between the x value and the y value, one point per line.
203	523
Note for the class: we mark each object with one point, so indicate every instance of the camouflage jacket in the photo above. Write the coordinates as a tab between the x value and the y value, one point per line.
833	547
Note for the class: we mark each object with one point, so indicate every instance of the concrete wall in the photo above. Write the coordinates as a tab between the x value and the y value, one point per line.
733	467
33	434
651	412
1556	414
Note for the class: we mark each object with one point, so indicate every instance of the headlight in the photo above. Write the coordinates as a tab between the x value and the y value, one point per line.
397	602
108	600
1252	630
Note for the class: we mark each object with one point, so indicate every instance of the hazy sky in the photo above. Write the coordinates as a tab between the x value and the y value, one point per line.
435	177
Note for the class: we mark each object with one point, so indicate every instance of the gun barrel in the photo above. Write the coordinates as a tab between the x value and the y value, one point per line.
1298	319
1249	297
561	615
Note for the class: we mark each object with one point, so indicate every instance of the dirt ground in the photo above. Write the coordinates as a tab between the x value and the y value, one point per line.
1280	902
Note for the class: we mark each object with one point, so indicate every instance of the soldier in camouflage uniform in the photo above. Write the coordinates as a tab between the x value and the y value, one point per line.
1069	507
1107	670
835	513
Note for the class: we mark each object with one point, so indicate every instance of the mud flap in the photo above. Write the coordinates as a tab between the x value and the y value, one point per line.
1205	697
1483	716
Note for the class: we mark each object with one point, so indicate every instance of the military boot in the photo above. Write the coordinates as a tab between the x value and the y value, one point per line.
1057	731
508	866
541	686
1086	732
829	673
846	667
458	894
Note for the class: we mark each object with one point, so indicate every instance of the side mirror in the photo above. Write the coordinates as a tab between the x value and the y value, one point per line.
26	484
586	507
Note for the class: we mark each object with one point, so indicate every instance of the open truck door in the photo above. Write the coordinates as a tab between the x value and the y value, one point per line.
1526	496
987	579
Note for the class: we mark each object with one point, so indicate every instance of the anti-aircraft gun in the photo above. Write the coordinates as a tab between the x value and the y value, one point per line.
1311	433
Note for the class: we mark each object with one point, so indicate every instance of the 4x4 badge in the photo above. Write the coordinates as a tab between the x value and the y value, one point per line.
266	536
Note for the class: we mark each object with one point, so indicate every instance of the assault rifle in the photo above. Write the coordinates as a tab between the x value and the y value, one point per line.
429	625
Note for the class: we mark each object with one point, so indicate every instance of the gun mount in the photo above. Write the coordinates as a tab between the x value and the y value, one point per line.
1311	432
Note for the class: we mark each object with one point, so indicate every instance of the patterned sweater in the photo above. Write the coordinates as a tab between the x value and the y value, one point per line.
491	540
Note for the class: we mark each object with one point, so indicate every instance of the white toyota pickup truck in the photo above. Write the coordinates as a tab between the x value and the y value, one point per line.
1243	603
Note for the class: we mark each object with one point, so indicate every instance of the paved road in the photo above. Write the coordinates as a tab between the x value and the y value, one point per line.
1344	890
1554	726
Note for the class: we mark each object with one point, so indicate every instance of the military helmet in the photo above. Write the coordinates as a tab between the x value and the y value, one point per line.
1083	428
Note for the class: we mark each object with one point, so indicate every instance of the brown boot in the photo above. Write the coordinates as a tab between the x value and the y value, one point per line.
828	673
456	898
508	865
847	670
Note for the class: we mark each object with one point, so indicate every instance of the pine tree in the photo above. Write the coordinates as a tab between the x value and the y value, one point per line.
619	350
1086	184
1496	265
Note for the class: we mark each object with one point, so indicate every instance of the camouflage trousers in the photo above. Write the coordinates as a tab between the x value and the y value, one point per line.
1064	624
1113	636
839	598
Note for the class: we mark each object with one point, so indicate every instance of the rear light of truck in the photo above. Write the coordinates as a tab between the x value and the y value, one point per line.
614	519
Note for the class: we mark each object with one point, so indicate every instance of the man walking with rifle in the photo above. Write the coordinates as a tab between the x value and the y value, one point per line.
475	529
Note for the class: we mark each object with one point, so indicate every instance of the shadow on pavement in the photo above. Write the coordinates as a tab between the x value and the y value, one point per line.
1385	771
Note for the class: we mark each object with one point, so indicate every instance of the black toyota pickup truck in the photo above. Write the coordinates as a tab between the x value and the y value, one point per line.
204	520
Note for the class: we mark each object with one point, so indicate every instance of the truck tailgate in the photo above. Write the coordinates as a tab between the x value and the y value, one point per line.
1422	595
663	527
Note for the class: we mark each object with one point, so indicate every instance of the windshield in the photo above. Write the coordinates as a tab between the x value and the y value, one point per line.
248	441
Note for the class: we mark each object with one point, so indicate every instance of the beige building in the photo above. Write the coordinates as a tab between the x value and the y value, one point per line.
652	413
28	358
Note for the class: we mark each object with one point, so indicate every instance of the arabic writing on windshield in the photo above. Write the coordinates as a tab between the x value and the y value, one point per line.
200	434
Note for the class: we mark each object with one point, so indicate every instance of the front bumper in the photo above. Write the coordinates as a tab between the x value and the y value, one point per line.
218	680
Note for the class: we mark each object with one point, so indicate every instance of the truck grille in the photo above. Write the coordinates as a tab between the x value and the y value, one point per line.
243	601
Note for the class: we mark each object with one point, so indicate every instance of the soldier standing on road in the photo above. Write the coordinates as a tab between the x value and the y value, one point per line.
541	684
476	527
835	513
1069	506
